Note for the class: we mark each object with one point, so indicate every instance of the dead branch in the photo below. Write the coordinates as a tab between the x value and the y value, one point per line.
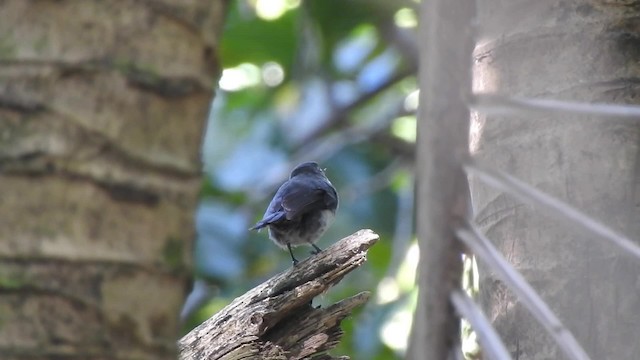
275	320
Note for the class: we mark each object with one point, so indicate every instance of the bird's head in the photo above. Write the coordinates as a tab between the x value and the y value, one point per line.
307	168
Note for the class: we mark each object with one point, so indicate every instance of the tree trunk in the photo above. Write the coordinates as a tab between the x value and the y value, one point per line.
442	188
102	106
568	50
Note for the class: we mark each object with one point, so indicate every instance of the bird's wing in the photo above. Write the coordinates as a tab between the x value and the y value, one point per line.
295	198
301	198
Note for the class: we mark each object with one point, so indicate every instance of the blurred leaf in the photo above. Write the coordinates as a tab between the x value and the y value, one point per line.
379	257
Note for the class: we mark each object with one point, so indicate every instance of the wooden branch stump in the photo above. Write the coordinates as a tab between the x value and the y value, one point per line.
275	320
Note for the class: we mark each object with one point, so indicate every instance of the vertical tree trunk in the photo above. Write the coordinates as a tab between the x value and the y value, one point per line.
102	106
443	137
577	50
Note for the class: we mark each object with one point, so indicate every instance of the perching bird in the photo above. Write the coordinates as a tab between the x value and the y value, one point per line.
301	210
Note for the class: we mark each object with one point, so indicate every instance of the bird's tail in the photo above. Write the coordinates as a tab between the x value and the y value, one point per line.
261	224
273	218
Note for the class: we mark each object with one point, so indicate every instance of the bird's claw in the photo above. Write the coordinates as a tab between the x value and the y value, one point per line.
316	250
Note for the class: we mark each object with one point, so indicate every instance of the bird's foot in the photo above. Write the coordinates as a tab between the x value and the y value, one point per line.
316	250
293	258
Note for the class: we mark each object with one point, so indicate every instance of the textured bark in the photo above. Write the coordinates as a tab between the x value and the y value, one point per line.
275	320
577	50
102	106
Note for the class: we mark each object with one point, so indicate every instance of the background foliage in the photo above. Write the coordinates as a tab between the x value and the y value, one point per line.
325	80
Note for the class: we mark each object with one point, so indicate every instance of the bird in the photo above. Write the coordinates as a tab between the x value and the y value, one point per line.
301	210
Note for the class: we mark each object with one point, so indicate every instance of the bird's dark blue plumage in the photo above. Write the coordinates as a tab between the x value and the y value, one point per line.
302	209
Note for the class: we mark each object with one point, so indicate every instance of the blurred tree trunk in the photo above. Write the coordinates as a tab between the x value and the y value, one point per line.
102	106
575	50
442	187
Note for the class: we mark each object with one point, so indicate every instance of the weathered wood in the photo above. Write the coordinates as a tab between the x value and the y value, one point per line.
275	320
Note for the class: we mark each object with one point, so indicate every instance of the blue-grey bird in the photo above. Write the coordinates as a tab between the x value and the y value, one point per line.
301	210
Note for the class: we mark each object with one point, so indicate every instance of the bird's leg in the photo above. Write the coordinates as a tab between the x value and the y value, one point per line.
316	250
295	261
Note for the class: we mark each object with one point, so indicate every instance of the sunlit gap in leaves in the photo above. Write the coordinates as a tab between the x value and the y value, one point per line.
247	75
405	18
395	330
240	77
411	101
404	127
471	285
273	9
272	74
